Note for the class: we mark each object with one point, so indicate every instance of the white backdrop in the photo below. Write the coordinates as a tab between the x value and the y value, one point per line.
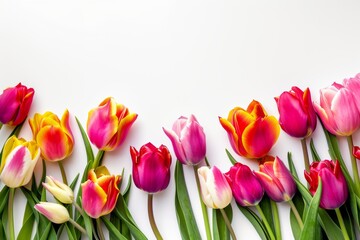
164	59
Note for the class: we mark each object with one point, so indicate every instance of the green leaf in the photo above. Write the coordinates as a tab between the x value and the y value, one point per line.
112	229
70	231
348	221
74	182
231	158
314	153
309	230
28	223
2	231
45	234
89	151
265	205
181	220
220	230
185	207
43	176
4	196
255	221
299	204
291	165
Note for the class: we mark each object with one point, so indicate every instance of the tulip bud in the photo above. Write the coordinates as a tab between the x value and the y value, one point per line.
188	140
252	133
15	104
108	124
151	167
276	179
356	152
59	190
215	190
18	161
245	186
55	212
334	187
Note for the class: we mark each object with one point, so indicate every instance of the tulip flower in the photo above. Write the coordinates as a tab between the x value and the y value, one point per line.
15	104
100	192
108	124
55	212
356	152
54	137
59	190
246	188
276	179
297	114
188	140
18	161
215	190
334	187
353	84
252	133
151	167
338	110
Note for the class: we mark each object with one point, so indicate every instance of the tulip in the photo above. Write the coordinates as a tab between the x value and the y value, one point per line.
108	124
188	140
246	188
15	104
59	190
252	133
151	167
353	84
18	161
297	114
276	179
338	110
215	190
356	152
55	212
334	187
54	137
100	192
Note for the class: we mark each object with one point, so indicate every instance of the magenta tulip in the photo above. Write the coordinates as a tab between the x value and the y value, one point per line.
353	84
188	140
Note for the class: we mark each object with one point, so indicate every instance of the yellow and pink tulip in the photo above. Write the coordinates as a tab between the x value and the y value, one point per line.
55	212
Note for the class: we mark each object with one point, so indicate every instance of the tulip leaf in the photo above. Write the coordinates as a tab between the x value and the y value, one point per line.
112	229
4	196
299	204
265	205
70	231
28	223
181	220
74	182
314	153
46	232
2	231
231	158
255	221
89	151
184	205
348	221
220	230
291	165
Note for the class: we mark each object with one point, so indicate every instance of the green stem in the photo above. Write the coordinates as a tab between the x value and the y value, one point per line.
203	207
305	154
80	228
1	124
296	213
98	158
78	208
11	214
99	229
152	219
342	224
63	173
275	213
354	165
267	225
228	224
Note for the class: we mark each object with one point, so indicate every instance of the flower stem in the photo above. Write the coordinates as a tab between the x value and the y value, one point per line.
98	158
305	154
11	214
1	124
342	225
152	219
203	207
228	224
354	165
296	213
267	225
63	173
99	229
78	208
275	213
80	228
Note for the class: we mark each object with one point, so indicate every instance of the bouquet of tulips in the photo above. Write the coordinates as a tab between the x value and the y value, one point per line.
326	206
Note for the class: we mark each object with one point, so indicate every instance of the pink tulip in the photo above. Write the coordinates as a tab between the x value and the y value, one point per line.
297	114
151	167
356	152
15	104
334	188
276	179
188	140
353	84
246	188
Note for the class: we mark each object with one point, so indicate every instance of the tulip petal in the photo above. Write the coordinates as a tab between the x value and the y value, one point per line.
178	149
193	142
331	188
268	185
93	198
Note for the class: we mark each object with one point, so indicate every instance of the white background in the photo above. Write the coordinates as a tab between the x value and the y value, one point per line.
164	59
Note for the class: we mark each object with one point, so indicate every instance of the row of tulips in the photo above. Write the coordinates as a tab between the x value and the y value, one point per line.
252	133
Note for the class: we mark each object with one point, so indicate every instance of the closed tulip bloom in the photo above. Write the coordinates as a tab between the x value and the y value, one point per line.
55	212
59	190
338	110
334	187
15	104
53	135
18	161
188	139
246	188
356	152
353	84
215	190
108	124
297	114
151	167
252	133
100	192
276	179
